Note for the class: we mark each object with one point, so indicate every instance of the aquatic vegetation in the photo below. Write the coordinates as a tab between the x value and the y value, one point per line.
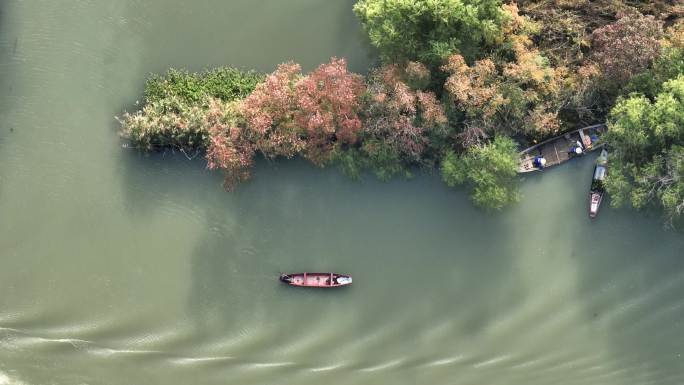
225	83
175	112
167	123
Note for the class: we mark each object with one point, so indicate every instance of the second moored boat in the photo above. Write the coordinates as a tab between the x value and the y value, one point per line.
598	189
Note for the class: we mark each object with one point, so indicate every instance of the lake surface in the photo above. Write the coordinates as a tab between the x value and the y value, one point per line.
117	268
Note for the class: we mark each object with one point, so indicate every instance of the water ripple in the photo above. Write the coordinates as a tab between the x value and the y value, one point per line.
327	368
492	361
444	361
383	366
199	360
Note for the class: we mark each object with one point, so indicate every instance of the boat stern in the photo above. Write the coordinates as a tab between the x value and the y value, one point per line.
594	204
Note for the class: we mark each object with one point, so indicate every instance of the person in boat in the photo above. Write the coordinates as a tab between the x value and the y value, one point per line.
576	149
539	162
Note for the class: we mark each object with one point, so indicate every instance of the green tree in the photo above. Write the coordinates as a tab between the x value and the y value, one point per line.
647	140
430	30
491	170
668	65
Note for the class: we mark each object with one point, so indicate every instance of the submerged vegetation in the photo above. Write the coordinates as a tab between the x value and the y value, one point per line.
460	86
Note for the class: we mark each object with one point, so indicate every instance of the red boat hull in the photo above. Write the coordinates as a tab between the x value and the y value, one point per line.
316	279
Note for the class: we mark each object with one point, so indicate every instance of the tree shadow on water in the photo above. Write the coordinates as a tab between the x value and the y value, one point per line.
152	179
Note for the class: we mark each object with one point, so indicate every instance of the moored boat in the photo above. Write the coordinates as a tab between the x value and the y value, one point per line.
598	189
560	149
316	279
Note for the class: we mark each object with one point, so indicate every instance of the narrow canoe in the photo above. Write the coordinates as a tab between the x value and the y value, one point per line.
316	279
560	149
597	189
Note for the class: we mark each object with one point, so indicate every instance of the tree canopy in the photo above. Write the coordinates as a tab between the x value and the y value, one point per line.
647	142
430	30
491	170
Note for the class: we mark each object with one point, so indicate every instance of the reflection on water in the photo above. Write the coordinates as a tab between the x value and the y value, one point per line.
121	268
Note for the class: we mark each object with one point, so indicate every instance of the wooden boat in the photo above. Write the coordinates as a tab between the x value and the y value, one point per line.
560	149
316	279
597	184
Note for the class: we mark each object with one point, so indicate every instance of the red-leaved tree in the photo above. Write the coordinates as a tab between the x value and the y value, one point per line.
269	113
328	103
229	148
628	46
398	116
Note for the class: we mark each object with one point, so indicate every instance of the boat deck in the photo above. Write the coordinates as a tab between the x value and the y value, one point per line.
316	279
557	150
312	280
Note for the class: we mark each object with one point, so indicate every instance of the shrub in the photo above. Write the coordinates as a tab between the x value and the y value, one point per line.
176	107
167	123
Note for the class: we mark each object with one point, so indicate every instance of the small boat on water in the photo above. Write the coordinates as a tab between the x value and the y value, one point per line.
316	279
560	149
597	184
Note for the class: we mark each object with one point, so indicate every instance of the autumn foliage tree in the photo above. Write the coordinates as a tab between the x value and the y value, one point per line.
397	122
328	103
288	114
230	148
520	95
269	113
628	46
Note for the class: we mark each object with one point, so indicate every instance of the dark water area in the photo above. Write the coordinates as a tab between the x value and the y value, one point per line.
121	268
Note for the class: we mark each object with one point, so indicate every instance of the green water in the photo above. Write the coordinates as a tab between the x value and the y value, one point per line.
117	268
